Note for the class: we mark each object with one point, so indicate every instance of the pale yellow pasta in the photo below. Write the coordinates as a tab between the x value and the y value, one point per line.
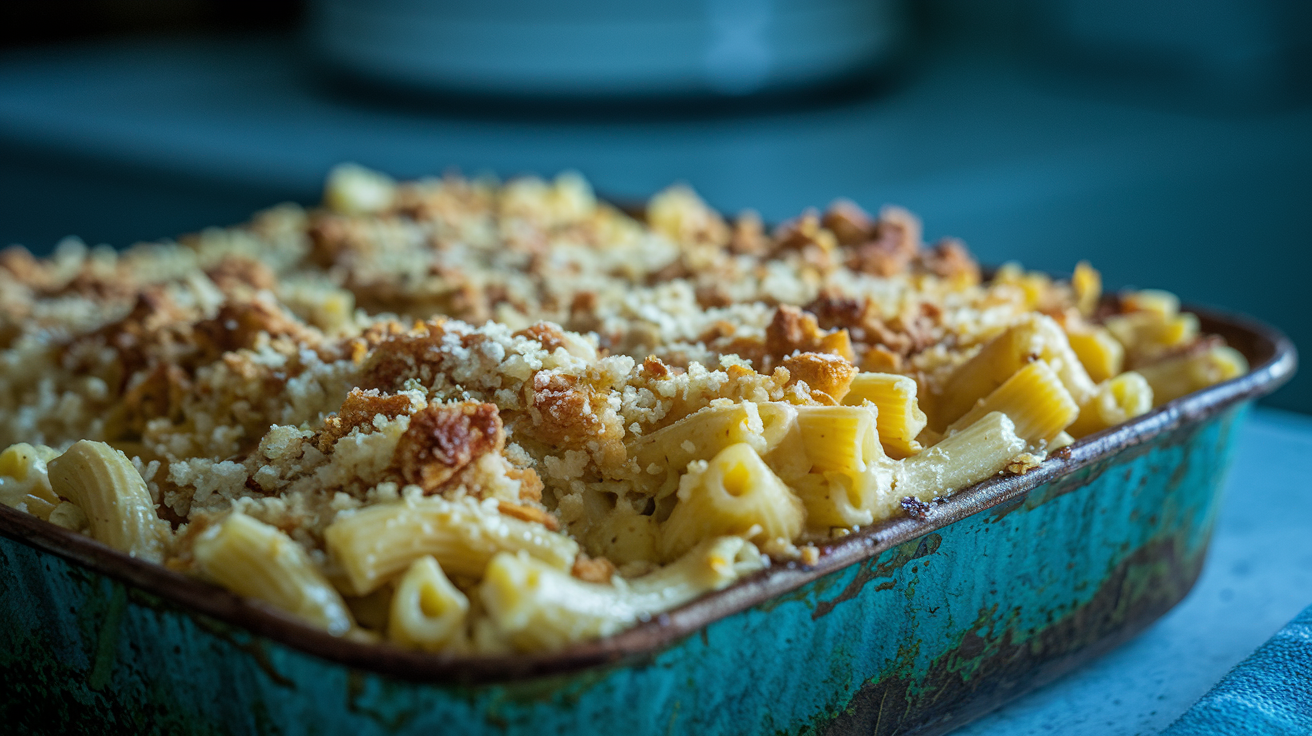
1101	354
534	606
1118	400
1086	282
1161	303
25	479
962	459
427	612
785	449
900	419
1150	333
69	516
836	499
355	190
256	560
104	484
1172	378
830	500
1034	399
1031	283
734	493
662	455
623	535
711	565
850	473
840	438
1035	336
375	544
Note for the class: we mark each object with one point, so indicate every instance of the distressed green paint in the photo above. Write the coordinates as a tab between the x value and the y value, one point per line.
949	616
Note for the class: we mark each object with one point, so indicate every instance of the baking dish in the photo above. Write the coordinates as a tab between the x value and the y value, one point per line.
915	625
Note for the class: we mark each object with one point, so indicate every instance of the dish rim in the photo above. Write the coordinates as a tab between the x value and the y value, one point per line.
1273	357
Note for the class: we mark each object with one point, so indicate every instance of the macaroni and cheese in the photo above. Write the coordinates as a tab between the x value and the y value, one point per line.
460	415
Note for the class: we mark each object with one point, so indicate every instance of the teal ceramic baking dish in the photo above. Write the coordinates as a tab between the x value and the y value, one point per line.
915	625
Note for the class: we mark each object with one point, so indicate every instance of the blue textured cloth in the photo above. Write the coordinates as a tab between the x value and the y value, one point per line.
1270	693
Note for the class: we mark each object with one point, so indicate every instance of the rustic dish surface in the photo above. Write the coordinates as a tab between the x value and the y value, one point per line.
916	625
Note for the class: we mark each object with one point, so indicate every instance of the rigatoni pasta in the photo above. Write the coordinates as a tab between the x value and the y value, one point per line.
1118	400
102	482
663	454
1034	337
1034	399
961	459
899	417
1174	377
427	611
374	545
462	416
259	561
1101	354
25	480
536	606
735	493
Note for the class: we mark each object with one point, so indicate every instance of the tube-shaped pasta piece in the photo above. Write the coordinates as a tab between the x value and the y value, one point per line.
785	451
25	479
1164	304
1148	334
1172	378
1035	336
1034	399
711	565
256	560
844	439
623	535
960	460
353	190
427	611
537	607
1086	282
1118	400
1033	285
377	543
900	418
846	499
735	493
831	500
663	454
104	484
1064	439
1102	355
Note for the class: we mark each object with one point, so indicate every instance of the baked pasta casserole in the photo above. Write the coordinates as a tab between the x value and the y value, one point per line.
466	416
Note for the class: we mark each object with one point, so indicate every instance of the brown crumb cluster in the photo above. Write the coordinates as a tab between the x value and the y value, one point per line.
443	439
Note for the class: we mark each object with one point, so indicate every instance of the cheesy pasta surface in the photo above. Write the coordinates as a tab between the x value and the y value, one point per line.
472	416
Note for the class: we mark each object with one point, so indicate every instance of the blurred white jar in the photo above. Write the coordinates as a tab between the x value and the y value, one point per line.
607	48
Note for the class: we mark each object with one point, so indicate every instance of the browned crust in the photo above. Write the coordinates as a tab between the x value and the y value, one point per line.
593	569
358	411
532	514
443	439
829	376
